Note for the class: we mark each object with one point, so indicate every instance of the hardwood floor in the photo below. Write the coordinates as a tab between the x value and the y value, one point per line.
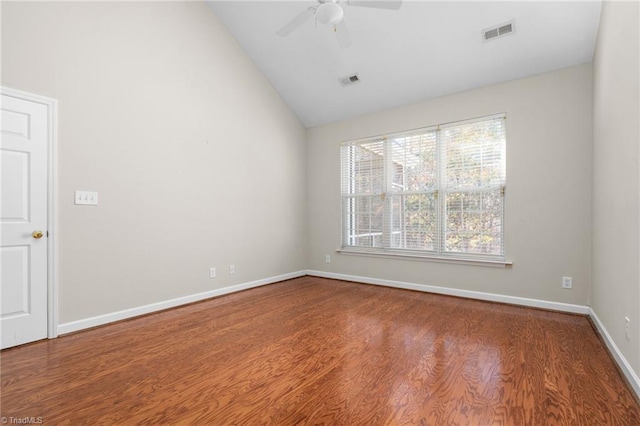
318	351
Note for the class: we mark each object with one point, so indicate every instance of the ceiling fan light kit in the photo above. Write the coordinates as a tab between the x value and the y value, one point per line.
329	13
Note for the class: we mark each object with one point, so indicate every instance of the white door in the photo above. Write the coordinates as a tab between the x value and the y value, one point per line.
24	172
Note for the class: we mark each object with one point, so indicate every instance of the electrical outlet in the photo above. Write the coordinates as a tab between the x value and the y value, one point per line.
232	269
567	282
627	323
212	272
327	259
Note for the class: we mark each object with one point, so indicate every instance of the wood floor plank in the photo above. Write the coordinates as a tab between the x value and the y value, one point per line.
319	351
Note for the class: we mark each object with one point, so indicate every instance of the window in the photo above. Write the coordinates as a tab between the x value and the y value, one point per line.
432	192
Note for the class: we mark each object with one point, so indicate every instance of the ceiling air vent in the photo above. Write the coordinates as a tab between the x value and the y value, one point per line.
350	80
498	31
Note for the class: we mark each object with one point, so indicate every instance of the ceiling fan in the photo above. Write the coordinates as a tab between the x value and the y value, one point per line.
330	13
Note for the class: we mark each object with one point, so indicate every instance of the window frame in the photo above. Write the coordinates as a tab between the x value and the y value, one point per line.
440	191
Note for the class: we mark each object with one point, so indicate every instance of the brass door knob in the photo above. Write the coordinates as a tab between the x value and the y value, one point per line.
37	234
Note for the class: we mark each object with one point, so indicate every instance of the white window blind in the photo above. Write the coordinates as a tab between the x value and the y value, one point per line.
436	191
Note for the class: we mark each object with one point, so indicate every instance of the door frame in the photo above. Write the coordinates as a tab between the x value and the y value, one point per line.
52	201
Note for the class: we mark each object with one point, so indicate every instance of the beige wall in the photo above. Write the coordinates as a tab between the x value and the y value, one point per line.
616	189
548	206
196	159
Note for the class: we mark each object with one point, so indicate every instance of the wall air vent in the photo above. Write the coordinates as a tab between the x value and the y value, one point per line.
350	80
498	31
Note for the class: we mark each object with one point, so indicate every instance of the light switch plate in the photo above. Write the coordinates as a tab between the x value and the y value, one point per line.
87	198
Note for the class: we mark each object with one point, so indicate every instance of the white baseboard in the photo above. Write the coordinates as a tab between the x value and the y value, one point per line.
622	362
492	297
82	324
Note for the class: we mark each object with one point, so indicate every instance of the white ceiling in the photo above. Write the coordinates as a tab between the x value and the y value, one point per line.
424	50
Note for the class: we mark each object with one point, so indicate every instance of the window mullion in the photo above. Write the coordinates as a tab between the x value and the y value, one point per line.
440	194
351	218
387	216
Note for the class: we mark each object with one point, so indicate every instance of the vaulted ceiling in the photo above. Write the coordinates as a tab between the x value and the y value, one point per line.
423	50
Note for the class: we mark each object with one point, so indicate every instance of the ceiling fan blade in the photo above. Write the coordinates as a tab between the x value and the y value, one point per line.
378	4
344	40
296	22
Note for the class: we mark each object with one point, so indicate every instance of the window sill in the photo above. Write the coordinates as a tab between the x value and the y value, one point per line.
426	257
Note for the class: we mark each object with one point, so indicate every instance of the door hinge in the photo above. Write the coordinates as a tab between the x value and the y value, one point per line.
503	189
